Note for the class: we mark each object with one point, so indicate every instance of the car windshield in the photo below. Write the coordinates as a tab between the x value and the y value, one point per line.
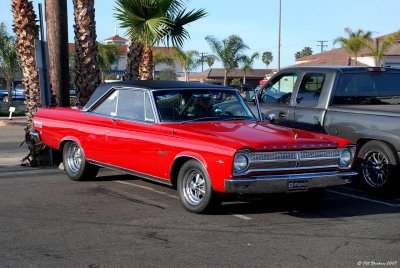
200	105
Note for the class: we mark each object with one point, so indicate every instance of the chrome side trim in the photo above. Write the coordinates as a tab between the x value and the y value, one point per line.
278	183
132	172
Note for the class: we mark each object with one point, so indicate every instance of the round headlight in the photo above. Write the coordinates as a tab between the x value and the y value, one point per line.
241	162
345	158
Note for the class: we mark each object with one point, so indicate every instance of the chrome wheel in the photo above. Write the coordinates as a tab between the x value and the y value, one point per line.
375	169
194	187
74	158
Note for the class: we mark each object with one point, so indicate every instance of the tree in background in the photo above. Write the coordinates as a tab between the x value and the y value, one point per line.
87	73
247	64
167	74
160	57
108	54
133	60
381	46
306	51
27	31
267	58
189	60
9	63
154	21
354	42
229	51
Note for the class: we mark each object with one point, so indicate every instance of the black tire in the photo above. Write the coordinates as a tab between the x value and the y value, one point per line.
75	163
195	189
377	165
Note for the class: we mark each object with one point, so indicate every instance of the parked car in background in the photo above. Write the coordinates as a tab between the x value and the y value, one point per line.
200	138
17	93
246	91
358	103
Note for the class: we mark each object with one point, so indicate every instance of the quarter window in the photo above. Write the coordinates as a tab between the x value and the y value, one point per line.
310	89
108	106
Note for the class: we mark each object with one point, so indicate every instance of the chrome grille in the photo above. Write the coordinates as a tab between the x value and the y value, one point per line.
293	160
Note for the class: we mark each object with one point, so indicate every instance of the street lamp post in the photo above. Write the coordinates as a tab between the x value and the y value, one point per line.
279	36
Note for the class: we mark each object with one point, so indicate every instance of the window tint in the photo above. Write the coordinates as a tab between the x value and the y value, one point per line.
279	90
108	106
368	88
310	89
131	105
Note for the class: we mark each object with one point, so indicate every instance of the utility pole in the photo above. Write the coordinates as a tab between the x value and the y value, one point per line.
279	36
322	45
203	55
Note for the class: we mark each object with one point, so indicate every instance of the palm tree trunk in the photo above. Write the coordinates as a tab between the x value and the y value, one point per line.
27	31
134	58
57	36
244	77
146	65
87	73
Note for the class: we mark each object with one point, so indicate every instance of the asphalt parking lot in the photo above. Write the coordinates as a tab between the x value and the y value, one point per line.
47	220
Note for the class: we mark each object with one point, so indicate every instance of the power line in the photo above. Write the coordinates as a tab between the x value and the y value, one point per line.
322	45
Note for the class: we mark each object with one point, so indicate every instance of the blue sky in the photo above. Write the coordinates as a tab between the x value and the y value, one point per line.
304	22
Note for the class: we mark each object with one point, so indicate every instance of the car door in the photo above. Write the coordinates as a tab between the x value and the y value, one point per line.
132	142
277	96
310	101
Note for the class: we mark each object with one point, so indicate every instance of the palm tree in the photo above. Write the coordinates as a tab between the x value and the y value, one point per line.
87	73
133	60
108	54
354	42
9	63
267	58
189	60
210	59
229	52
248	64
381	46
27	31
57	40
154	21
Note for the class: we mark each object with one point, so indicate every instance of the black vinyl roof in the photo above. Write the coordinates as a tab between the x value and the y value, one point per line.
150	85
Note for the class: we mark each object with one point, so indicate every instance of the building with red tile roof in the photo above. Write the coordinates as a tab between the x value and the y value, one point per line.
341	57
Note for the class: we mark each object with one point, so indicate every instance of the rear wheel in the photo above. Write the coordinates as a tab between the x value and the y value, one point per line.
195	189
377	166
75	163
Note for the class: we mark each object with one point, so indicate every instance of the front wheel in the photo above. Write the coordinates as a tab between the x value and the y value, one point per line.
75	163
195	189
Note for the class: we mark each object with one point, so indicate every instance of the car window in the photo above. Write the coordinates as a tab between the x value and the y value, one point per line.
368	88
148	109
108	106
310	89
131	105
279	90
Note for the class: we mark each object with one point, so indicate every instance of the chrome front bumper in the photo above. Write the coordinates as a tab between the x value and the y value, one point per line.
280	183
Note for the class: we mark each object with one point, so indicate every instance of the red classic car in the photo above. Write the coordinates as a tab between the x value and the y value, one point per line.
200	138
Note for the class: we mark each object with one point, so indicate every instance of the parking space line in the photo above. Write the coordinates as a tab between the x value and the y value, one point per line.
242	216
366	199
147	188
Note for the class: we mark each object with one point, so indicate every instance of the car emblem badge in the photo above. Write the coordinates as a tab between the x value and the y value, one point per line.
296	137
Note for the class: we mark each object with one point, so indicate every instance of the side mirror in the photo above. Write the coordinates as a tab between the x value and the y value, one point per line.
271	118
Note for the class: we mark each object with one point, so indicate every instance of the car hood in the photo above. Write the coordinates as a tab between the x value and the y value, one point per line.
261	136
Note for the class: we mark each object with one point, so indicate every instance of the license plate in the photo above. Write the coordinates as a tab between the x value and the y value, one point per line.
297	185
